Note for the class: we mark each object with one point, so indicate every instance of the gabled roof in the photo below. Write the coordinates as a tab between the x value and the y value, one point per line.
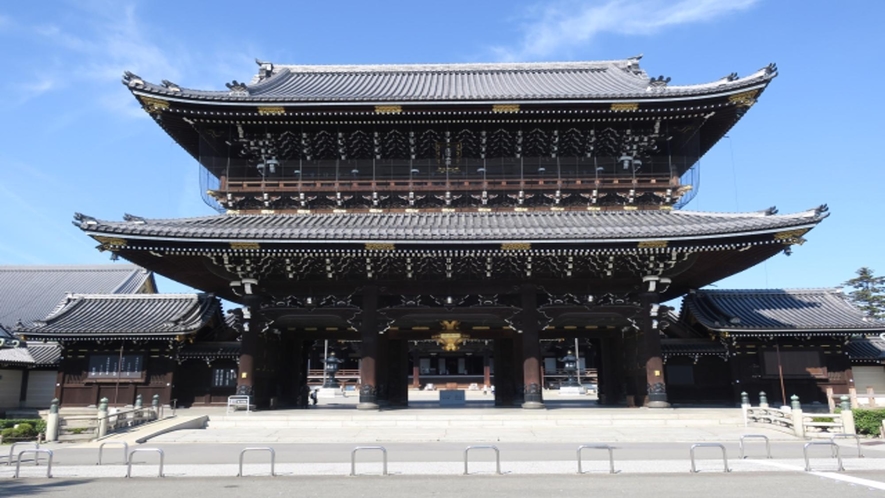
29	293
83	316
501	82
573	226
36	354
778	310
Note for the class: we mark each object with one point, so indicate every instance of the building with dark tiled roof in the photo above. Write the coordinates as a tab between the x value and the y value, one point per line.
455	223
811	339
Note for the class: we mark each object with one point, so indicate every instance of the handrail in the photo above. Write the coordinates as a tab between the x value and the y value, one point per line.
611	456
484	447
273	456
708	445
353	458
125	450
756	436
831	444
36	453
143	450
36	446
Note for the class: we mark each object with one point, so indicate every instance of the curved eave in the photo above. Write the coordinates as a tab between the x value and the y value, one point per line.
85	335
223	99
798	331
469	241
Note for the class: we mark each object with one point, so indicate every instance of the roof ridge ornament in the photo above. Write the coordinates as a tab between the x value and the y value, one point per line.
171	86
822	211
265	69
131	79
659	82
237	89
138	220
770	69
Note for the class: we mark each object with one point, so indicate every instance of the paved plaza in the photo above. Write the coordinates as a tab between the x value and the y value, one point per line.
538	449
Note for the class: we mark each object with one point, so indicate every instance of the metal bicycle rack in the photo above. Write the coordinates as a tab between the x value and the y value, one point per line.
835	448
22	443
487	447
273	457
125	446
611	455
708	445
353	458
756	436
36	452
856	438
144	450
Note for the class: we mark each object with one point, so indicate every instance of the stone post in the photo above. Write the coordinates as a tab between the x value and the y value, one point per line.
847	417
844	404
139	402
745	405
798	416
52	422
763	400
852	395
871	397
102	418
155	406
831	401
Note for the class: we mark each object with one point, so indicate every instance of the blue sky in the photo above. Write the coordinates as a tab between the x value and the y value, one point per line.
73	139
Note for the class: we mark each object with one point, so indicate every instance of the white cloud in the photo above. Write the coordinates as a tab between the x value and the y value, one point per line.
560	25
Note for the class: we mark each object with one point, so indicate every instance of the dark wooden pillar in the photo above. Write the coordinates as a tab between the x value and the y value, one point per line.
651	346
486	370
504	372
369	350
607	381
249	346
382	371
531	350
398	372
416	369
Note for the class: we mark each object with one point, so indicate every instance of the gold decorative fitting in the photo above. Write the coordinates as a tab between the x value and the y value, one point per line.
375	246
652	244
790	237
245	245
153	105
267	211
516	246
388	109
631	208
505	108
451	337
271	111
110	241
745	99
665	208
625	106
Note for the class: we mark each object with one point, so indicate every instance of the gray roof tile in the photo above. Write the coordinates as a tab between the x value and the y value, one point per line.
790	310
866	349
36	354
459	226
28	293
104	315
601	80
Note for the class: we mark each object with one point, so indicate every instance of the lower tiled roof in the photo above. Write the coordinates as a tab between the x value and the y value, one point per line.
778	310
457	226
110	315
866	349
692	347
36	354
211	350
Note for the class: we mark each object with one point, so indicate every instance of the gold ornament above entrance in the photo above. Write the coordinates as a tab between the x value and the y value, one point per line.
451	337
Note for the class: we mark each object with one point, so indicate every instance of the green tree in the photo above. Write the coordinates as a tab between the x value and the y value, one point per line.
868	293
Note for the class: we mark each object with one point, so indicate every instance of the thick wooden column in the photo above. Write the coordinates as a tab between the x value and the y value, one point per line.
382	371
369	350
416	369
398	372
504	372
531	350
486	370
249	346
651	342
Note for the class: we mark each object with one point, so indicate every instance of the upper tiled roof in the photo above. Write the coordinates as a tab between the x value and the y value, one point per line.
458	226
777	310
29	293
545	81
866	349
36	354
108	315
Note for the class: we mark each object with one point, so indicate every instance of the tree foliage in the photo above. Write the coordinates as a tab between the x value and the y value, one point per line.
868	293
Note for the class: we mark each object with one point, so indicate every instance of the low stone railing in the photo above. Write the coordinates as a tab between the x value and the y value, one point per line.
792	419
104	422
